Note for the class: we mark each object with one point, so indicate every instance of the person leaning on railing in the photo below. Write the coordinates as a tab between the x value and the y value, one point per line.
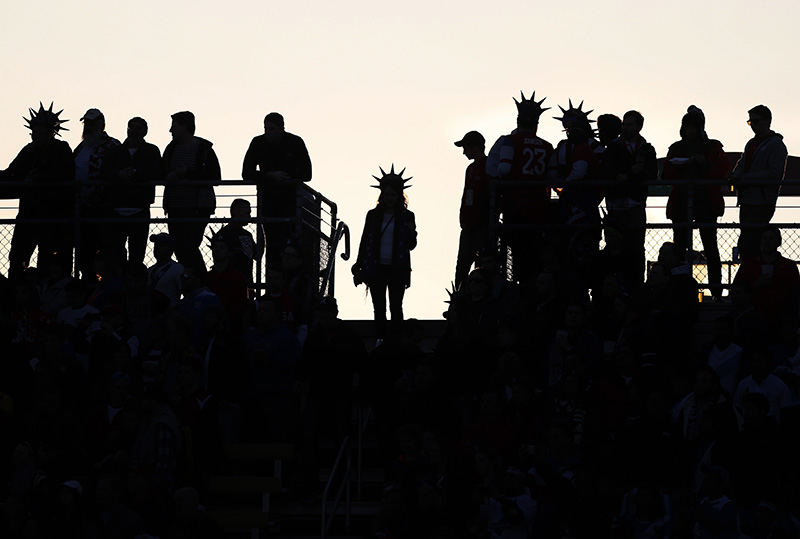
757	177
696	157
276	162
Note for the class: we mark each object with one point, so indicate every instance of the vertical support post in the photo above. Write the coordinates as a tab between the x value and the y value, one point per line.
690	228
261	238
360	433
348	479
332	253
76	228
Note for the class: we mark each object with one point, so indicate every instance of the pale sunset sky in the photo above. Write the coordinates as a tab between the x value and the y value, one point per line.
371	83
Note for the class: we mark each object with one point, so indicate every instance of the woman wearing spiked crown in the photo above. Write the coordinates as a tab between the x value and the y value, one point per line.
384	253
38	168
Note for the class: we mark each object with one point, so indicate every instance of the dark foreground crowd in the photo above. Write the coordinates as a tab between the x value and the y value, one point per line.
539	412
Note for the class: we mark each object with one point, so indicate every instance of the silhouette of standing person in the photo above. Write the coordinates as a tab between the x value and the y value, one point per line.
130	172
384	253
277	162
187	159
90	155
758	175
576	160
523	156
44	160
628	162
696	157
474	212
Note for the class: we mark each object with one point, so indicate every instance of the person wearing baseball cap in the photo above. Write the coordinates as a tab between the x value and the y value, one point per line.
474	213
164	277
89	157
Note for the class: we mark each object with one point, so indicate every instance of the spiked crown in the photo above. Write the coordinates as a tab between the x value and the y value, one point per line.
530	109
393	180
45	118
575	117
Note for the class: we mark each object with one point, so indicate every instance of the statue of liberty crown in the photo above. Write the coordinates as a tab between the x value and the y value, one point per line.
574	115
530	108
392	179
45	118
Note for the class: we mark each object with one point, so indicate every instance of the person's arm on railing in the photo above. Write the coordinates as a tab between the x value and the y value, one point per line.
250	172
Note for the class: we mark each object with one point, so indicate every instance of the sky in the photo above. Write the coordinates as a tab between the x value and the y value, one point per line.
368	84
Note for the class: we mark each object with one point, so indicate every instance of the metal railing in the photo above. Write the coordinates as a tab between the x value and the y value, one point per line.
316	225
362	415
656	233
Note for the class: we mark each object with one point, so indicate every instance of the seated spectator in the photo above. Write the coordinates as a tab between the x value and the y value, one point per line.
763	382
52	286
200	307
299	287
227	281
77	312
717	514
773	280
704	414
164	277
272	353
725	355
240	242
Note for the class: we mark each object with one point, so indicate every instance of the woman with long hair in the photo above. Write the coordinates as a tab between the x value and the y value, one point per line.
384	253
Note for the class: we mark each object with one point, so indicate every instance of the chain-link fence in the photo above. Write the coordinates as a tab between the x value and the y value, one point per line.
657	234
316	224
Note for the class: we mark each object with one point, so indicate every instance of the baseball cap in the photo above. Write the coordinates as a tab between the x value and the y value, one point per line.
92	114
471	138
163	236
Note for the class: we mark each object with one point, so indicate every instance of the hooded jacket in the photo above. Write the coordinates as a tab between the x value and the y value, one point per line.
766	170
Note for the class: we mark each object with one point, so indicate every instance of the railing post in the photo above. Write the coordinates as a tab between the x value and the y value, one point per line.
261	250
690	229
76	228
332	253
348	479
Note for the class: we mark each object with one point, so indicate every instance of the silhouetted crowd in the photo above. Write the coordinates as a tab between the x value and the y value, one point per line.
589	397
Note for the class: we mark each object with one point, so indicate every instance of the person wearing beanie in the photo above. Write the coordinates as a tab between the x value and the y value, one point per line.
757	177
696	157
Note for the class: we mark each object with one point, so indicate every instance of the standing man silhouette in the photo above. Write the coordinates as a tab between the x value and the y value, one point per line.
474	213
90	154
131	171
45	160
189	159
629	161
276	162
523	156
758	176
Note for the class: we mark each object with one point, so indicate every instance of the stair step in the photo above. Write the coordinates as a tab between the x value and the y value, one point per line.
313	510
368	475
259	452
243	484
